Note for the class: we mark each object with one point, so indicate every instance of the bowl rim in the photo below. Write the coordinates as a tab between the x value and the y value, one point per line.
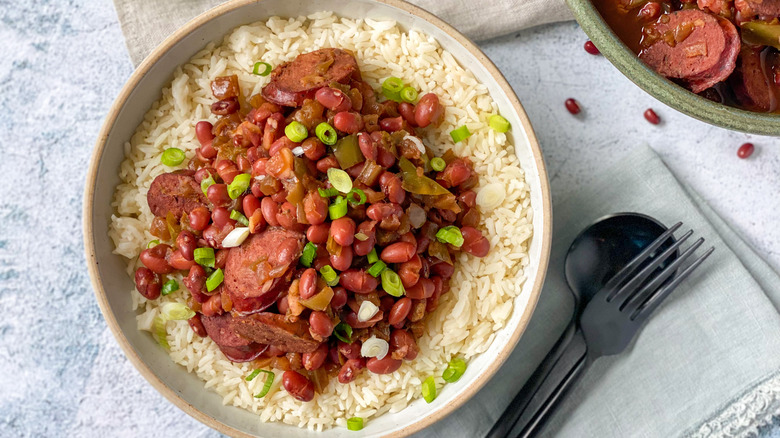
666	91
545	234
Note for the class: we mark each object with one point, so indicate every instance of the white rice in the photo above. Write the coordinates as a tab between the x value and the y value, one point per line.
481	298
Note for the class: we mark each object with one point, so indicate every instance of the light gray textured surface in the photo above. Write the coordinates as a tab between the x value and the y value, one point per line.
63	64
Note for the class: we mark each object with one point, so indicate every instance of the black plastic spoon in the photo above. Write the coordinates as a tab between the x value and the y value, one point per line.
594	257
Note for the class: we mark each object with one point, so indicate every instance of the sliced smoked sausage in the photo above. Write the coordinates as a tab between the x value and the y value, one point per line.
751	86
293	82
176	193
222	330
271	328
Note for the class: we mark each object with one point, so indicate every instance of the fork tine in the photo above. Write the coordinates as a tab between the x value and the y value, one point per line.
657	298
637	299
623	274
630	288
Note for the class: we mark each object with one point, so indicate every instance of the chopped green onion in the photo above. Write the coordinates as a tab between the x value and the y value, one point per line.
269	380
214	280
460	134
391	88
205	183
391	283
361	236
343	332
326	133
204	257
372	256
327	193
340	180
153	243
239	185
329	275
429	389
172	157
455	370
438	164
408	94
240	218
361	197
252	376
158	331
296	132
377	268
498	123
308	254
176	311
450	234
338	208
355	423
266	68
170	286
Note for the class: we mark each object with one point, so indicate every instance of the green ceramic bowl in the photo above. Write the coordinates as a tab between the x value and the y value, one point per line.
662	89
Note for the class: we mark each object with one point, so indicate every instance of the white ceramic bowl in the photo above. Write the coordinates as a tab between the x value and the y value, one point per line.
111	282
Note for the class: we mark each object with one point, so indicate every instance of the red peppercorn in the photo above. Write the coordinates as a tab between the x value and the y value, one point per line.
572	106
591	48
652	117
745	150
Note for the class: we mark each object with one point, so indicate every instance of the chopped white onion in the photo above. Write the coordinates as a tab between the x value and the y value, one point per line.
417	142
374	347
367	311
490	196
297	151
176	311
235	237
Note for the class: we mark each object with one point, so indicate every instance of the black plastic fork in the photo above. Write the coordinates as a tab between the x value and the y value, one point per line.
609	322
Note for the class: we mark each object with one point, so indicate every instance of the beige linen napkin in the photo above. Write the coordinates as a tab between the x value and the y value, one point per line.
146	23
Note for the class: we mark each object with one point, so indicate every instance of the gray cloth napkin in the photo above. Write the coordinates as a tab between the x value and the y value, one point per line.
146	23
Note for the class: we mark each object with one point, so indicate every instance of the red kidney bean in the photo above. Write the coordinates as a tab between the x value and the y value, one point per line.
274	128
186	243
746	150
249	204
351	369
326	163
343	260
367	146
409	238
280	196
221	217
343	231
315	359
243	164
428	110
391	187
456	173
333	99
392	124
339	299
363	247
197	326
410	271
403	345
318	233
154	258
199	218
591	48
283	304
355	170
407	112
177	261
195	282
649	12
572	106
352	320
208	151
443	269
218	195
386	303
468	198
422	290
315	207
386	365
307	287
438	289
358	281
383	210
220	258
313	148
385	158
281	143
349	351
348	122
270	209
652	117
203	173
227	170
203	130
320	324
258	167
147	283
474	243
399	311
422	244
213	306
321	262
398	252
225	106
298	386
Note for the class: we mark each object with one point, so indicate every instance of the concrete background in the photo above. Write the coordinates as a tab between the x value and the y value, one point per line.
63	63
